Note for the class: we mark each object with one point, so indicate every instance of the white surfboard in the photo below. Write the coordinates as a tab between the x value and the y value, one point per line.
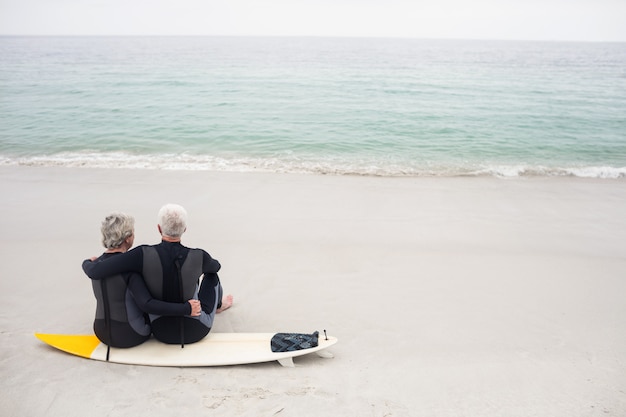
216	349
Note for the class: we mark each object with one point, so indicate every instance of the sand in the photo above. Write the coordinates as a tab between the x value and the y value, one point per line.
449	296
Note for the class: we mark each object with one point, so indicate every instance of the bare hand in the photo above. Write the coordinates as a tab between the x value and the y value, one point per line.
196	308
93	258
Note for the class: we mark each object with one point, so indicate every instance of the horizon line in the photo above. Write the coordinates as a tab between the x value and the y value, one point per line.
391	37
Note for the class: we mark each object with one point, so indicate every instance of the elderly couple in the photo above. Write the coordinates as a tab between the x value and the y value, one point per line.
153	288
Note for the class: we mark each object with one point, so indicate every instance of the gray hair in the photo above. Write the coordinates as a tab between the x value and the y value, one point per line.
115	228
173	220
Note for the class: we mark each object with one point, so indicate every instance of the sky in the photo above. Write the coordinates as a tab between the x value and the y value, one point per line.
552	20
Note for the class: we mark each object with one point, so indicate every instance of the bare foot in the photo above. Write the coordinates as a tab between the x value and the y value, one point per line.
227	303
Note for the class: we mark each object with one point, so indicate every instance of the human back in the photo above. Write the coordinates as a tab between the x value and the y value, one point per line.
172	272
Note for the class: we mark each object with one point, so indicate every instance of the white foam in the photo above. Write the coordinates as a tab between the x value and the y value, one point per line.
597	172
290	163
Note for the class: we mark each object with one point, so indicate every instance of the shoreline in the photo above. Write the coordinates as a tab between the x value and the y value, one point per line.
310	166
449	296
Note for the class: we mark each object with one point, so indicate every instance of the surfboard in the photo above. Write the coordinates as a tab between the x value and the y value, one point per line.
216	349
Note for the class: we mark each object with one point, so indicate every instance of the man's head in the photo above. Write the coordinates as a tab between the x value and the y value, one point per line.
172	221
116	229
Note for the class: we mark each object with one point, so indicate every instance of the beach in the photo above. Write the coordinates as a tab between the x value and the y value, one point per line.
454	296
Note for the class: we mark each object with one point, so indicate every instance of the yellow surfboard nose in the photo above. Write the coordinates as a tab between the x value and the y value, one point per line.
80	345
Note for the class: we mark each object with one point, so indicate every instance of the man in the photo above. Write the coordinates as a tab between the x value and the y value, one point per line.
172	273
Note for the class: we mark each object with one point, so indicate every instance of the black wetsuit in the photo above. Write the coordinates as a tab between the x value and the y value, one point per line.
171	272
122	303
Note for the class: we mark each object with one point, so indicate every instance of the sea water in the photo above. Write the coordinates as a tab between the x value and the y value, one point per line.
389	107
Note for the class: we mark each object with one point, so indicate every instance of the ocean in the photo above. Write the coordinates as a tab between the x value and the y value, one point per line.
338	106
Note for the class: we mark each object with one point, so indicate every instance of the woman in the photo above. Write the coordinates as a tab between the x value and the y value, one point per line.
123	299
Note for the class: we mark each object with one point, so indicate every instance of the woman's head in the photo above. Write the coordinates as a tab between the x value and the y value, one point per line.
172	220
116	228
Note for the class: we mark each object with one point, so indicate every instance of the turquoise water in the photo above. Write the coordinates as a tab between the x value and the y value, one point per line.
318	105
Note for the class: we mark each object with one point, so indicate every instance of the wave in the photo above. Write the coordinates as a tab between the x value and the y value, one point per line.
602	172
293	164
